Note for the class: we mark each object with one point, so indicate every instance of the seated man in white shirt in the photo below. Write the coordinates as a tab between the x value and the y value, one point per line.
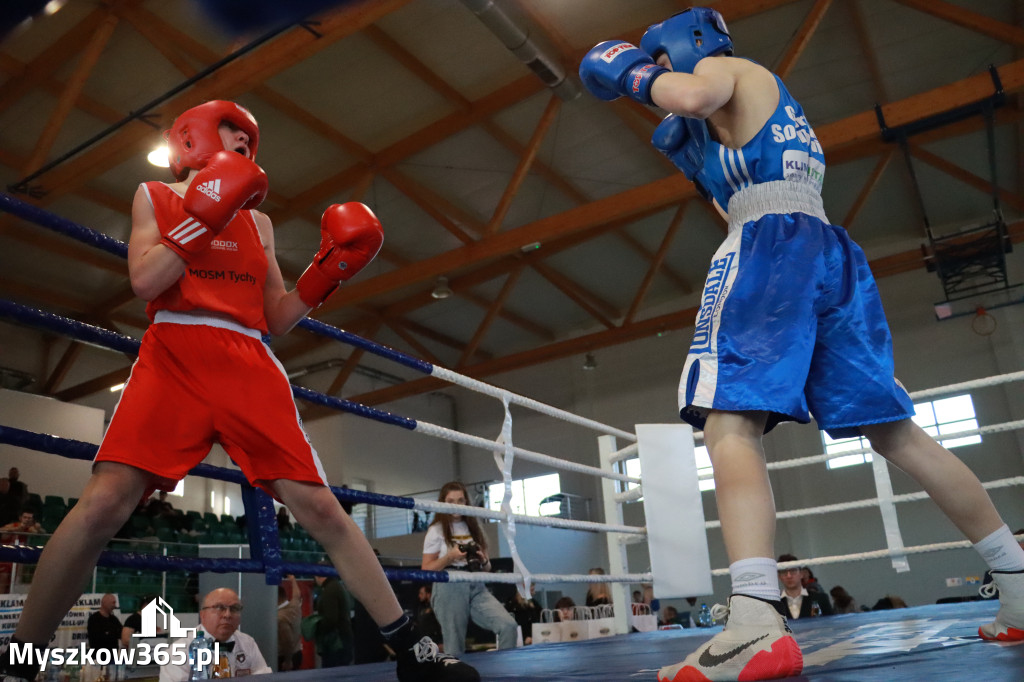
795	597
219	617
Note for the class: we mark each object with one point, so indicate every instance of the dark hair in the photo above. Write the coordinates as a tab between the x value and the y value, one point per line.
786	557
840	596
446	520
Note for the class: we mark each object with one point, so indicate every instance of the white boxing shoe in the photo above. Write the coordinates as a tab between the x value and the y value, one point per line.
1009	623
756	644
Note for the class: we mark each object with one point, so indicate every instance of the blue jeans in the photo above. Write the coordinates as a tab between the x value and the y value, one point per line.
455	603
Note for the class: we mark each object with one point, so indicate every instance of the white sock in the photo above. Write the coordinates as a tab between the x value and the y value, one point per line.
758	577
1001	551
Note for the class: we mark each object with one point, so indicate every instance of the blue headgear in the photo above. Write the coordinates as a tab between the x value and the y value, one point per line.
688	37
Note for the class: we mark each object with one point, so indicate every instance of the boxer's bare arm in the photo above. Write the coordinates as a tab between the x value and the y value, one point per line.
152	267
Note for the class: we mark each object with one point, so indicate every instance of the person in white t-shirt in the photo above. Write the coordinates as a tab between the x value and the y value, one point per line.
456	542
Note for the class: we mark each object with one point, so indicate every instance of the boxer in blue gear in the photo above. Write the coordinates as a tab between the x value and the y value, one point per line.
790	324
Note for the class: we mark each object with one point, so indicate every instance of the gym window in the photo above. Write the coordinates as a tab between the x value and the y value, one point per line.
528	495
705	474
941	419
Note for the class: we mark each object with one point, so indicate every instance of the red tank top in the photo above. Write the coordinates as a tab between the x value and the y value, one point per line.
227	278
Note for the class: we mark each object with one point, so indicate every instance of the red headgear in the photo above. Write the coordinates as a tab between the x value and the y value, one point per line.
193	138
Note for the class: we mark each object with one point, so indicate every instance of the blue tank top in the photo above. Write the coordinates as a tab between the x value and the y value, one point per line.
784	149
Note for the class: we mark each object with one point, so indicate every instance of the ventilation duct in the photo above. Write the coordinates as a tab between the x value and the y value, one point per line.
515	35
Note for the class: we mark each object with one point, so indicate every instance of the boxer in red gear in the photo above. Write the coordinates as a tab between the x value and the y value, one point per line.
204	376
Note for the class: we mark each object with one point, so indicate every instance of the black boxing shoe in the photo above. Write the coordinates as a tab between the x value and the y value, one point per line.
424	662
13	671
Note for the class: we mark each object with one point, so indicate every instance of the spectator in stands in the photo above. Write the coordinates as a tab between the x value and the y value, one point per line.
798	600
889	601
425	616
598	594
565	609
219	616
289	626
334	637
284	522
13	496
456	542
842	601
133	623
15	530
669	616
103	629
159	507
808	580
526	612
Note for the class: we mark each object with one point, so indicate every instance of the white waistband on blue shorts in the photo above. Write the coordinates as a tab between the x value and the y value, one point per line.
778	196
192	317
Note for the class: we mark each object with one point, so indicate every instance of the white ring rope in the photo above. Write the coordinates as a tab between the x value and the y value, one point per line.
490	445
873	502
867	556
980	431
445	508
502	394
967	385
624	454
515	578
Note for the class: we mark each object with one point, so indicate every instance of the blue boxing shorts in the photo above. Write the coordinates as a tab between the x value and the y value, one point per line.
790	322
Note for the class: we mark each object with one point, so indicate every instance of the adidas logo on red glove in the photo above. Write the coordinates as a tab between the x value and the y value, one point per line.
211	189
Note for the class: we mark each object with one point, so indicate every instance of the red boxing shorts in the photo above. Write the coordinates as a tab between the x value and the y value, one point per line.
200	380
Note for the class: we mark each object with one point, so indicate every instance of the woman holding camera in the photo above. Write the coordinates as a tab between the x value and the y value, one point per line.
456	542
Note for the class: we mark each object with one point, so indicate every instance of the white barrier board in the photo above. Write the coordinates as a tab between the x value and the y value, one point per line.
677	539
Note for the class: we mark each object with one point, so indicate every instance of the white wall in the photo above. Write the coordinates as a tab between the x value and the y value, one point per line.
43	473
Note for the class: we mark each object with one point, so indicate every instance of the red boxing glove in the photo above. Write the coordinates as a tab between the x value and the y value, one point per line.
350	236
228	183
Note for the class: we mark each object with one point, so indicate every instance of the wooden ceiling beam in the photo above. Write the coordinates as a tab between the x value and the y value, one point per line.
963	175
869	186
240	76
596	308
668	272
870	55
351	362
489	317
803	36
59	53
397	325
66	101
524	165
862	128
969	19
659	258
655	195
64	365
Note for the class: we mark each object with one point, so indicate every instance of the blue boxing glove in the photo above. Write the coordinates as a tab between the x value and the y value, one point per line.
683	140
614	68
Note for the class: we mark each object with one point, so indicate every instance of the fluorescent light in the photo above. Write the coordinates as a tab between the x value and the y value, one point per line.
117	387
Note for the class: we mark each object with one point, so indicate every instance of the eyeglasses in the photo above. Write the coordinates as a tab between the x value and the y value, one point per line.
783	571
224	608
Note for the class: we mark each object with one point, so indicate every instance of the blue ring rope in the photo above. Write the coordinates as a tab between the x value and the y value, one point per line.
63	226
24	554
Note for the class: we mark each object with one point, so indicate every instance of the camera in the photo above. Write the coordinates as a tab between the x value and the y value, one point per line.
474	562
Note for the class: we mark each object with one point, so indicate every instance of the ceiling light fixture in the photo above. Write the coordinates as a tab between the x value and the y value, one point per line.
589	362
441	289
160	157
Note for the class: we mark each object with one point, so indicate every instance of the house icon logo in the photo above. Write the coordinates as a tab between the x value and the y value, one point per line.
159	613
